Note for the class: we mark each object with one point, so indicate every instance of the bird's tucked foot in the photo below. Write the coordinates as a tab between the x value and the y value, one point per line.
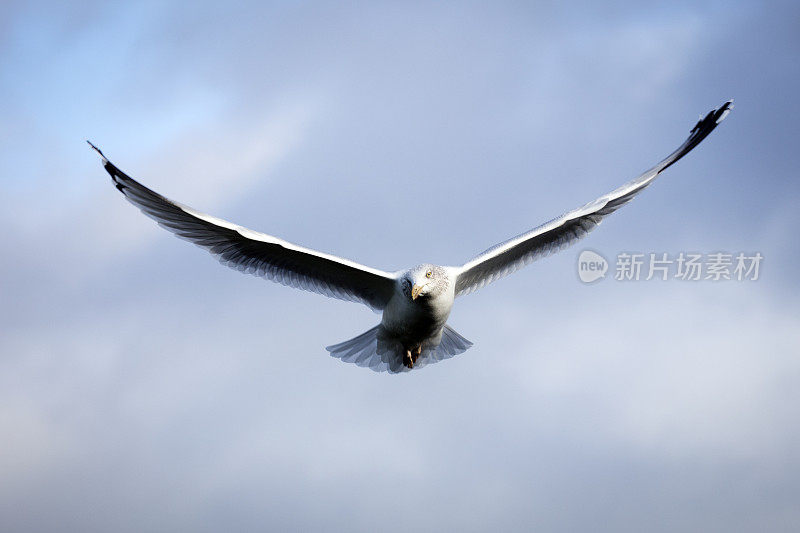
411	356
409	360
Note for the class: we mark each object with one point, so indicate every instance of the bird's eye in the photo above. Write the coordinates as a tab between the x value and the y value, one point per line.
428	274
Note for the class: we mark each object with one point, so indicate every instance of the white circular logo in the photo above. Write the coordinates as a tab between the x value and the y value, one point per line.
591	266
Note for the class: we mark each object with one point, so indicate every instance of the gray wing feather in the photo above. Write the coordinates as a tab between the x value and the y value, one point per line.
509	256
257	253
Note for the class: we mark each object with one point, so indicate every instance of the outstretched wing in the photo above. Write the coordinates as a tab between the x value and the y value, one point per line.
552	236
258	253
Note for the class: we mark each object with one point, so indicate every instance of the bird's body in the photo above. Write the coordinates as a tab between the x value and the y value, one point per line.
415	303
417	322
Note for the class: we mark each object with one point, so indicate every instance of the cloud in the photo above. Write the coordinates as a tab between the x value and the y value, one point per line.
713	393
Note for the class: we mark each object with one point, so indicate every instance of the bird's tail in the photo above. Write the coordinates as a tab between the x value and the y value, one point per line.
378	351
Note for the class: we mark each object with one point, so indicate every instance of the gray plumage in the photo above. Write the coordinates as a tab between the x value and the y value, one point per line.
415	303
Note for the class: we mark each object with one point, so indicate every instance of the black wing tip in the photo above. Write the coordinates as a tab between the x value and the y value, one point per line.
706	124
722	111
108	165
96	149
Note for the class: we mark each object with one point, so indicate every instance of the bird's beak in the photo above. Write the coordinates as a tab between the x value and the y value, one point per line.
415	290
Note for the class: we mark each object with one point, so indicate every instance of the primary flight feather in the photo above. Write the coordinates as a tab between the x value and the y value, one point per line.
415	303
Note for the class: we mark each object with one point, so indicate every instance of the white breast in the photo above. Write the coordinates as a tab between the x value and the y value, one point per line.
417	320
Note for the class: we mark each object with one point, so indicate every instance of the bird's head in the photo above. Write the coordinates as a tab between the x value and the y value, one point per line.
425	281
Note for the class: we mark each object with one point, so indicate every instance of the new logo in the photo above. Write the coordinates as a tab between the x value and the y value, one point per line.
591	266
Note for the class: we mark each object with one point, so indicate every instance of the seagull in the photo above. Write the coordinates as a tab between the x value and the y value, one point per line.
415	303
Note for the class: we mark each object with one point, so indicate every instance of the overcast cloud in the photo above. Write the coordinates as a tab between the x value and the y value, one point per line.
145	388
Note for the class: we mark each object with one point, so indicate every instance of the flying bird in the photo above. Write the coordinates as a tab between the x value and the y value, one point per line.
415	303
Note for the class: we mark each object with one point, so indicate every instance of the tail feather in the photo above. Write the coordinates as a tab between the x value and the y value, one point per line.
453	343
378	351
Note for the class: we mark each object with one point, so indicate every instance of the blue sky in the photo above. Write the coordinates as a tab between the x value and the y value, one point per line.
144	387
